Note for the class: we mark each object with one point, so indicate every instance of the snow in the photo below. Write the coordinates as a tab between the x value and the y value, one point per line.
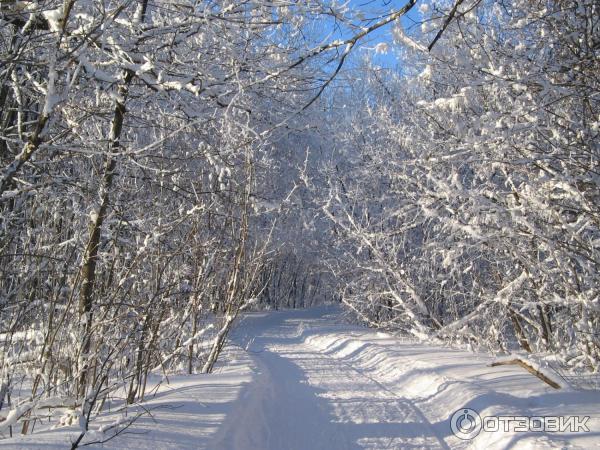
305	379
382	48
402	38
52	98
185	413
53	17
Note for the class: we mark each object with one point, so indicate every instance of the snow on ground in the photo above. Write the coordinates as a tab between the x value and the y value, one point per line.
304	380
184	413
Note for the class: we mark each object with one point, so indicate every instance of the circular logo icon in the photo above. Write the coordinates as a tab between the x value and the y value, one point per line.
465	423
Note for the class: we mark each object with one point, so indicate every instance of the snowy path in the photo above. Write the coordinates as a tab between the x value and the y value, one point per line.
323	384
305	380
305	399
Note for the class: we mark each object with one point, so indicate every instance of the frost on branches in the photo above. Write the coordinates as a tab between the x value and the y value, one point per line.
136	141
465	197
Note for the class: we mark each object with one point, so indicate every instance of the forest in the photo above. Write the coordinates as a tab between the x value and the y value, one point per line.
167	165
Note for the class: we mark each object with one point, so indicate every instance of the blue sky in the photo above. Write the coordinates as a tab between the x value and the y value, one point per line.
374	8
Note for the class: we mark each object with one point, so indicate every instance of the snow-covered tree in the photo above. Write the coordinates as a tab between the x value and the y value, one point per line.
465	198
138	139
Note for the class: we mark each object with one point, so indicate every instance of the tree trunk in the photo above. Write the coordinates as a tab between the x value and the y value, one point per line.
90	258
519	331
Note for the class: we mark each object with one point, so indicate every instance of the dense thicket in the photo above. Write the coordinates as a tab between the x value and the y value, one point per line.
466	195
137	143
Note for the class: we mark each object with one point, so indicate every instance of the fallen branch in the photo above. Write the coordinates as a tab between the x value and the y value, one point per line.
529	368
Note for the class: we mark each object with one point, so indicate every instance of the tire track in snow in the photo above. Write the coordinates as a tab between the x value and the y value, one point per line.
305	399
393	395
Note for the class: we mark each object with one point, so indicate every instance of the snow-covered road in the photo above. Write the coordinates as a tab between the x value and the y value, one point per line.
321	383
307	380
304	398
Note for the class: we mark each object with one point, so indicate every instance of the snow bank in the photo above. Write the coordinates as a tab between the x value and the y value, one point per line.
183	412
441	381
